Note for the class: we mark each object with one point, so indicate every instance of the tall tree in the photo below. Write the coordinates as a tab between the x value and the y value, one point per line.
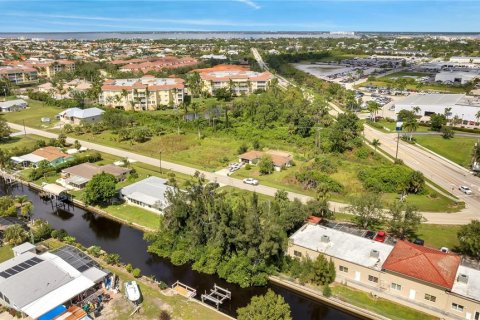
101	189
270	306
367	210
404	219
469	238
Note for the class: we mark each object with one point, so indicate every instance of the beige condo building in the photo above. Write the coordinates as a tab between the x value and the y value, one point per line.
146	93
438	283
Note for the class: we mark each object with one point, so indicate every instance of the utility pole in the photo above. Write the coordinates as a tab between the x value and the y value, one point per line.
24	129
160	161
398	127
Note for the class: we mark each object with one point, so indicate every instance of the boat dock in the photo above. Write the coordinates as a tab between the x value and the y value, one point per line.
184	290
217	295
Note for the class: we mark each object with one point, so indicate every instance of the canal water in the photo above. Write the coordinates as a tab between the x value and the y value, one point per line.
91	229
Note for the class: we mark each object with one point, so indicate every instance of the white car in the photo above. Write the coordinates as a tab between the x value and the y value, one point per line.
465	190
251	181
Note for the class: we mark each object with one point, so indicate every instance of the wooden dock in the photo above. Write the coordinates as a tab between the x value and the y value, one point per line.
217	295
184	290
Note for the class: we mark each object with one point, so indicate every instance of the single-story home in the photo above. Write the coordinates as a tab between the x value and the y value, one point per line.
13	105
280	159
34	284
78	176
77	115
51	154
149	193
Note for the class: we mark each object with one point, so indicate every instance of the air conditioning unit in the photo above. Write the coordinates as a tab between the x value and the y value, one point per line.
463	278
374	254
325	239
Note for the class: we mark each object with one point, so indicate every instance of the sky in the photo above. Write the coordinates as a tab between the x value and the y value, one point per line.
240	15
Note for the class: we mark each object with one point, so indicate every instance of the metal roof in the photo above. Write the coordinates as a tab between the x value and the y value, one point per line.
470	289
150	191
433	99
11	103
82	113
342	245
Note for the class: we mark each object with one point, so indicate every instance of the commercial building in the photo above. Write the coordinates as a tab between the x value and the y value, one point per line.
463	107
34	284
239	79
423	278
149	193
13	105
77	116
19	74
78	176
45	67
458	77
146	93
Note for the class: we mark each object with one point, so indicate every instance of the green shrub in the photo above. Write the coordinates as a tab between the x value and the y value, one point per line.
136	273
312	179
112	259
242	149
59	234
362	153
327	291
162	285
69	239
95	251
129	268
248	166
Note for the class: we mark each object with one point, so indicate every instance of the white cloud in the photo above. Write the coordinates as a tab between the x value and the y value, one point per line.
250	3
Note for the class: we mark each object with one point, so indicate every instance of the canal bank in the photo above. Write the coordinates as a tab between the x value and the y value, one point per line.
114	237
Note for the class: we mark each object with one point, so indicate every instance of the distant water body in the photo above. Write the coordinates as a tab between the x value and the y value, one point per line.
205	35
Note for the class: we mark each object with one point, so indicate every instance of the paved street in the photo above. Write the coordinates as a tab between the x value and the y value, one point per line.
435	218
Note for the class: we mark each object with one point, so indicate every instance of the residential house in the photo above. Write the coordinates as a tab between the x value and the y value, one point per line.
34	284
280	159
51	154
78	176
427	279
13	105
239	79
78	116
149	193
146	93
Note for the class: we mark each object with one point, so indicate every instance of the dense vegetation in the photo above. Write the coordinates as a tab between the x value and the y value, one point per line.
239	238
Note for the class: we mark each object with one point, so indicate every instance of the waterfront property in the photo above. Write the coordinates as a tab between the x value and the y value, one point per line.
427	279
463	107
19	74
36	283
13	105
146	93
78	176
149	193
78	116
52	155
241	80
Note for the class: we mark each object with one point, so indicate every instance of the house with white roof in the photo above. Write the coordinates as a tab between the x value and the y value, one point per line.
13	105
77	116
35	284
149	193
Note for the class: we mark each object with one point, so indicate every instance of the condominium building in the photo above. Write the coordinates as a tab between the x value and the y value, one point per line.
435	282
19	74
46	67
241	80
154	63
146	93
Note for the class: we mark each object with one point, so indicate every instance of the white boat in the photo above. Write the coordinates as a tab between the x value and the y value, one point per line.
132	292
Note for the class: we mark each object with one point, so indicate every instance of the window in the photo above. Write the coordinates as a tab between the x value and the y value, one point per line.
297	253
457	307
396	286
343	269
372	279
429	297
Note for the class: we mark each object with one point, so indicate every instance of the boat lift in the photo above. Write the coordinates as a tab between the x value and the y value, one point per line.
217	295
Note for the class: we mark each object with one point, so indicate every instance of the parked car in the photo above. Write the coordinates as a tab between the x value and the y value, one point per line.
420	242
465	190
234	166
381	236
444	250
251	181
370	235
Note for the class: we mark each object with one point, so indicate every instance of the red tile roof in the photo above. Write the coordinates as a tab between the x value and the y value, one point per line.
314	220
422	263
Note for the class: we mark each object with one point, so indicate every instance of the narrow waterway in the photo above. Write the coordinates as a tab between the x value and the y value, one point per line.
90	229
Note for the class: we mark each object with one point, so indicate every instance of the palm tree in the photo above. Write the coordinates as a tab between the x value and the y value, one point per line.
447	112
416	110
373	107
14	235
477	115
411	125
376	143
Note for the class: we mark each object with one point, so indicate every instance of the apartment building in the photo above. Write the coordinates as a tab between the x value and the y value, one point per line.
146	93
19	74
154	63
46	67
438	283
240	79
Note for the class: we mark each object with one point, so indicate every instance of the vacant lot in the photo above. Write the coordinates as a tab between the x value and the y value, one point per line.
458	149
20	142
33	114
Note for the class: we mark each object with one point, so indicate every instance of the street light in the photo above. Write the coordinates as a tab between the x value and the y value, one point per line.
398	127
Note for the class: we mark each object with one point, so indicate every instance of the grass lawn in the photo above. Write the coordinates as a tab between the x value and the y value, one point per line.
430	202
134	215
437	236
33	114
457	149
20	142
381	306
5	253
